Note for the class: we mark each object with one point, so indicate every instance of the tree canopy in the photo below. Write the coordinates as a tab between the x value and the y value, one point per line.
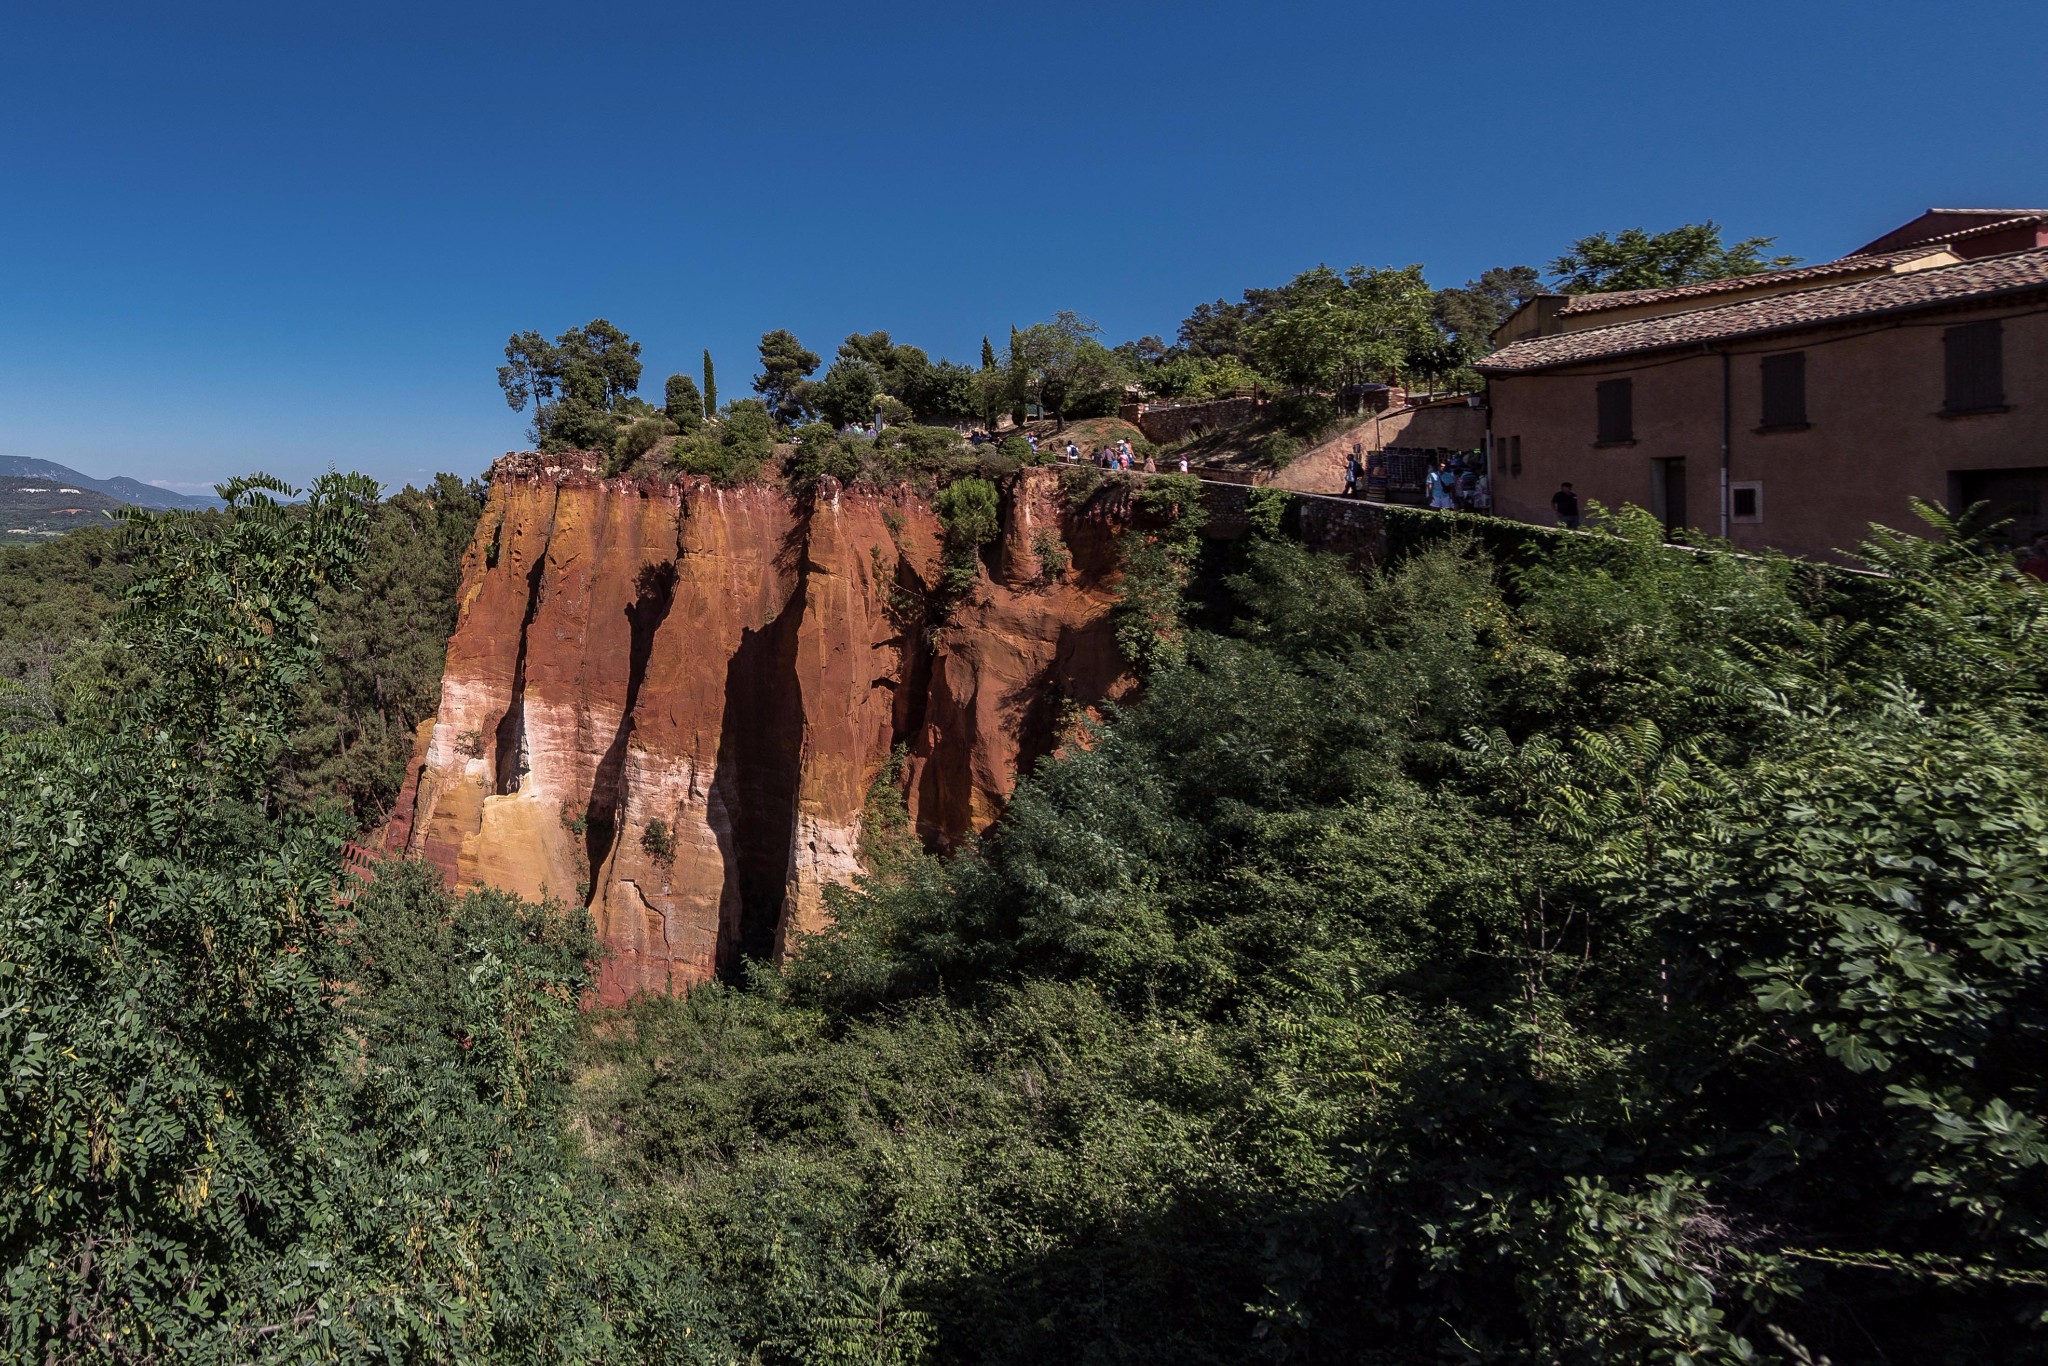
1328	329
1635	259
574	383
786	367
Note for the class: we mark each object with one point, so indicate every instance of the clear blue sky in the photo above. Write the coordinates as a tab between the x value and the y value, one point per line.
285	236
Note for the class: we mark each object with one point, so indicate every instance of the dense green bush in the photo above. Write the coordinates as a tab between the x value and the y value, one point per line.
635	441
908	452
733	451
383	639
250	1111
1624	961
971	512
1551	950
683	403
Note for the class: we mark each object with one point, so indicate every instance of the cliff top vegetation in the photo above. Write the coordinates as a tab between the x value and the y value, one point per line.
1318	333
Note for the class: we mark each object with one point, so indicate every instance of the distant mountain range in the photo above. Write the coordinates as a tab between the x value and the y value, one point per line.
121	489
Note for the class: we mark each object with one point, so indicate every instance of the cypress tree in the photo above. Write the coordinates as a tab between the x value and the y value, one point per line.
710	386
1020	380
988	355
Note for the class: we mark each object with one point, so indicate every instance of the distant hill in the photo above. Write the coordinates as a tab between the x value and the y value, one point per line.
37	509
121	488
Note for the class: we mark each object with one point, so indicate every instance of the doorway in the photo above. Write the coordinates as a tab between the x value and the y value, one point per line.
1667	493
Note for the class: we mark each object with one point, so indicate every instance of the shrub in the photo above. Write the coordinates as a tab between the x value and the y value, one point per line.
969	509
1307	417
576	425
820	452
685	406
1053	557
659	842
734	450
1275	449
748	429
1079	482
635	441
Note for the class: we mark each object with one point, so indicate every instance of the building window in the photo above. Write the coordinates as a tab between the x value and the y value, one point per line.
1975	368
1500	454
1784	384
1514	455
1617	411
1746	502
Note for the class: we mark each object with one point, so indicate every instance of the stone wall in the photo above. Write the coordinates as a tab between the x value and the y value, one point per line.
1354	528
1165	423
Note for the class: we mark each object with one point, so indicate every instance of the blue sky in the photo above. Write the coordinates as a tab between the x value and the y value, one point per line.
287	237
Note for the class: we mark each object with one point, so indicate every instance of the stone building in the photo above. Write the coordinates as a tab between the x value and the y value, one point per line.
1793	408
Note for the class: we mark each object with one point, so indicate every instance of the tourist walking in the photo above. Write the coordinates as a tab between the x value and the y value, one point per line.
1183	464
1565	504
1441	482
1351	470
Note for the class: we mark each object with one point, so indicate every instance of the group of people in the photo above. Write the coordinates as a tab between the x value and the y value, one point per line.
1455	483
1119	455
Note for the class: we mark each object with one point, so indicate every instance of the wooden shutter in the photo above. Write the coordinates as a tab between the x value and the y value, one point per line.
1617	410
1784	383
1975	365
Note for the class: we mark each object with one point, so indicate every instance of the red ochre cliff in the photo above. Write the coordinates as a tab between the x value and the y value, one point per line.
669	699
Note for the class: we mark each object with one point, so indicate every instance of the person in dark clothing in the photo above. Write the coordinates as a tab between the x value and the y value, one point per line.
1351	472
1566	505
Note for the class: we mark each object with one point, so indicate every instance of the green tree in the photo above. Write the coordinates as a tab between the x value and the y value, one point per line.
1016	379
1468	316
847	393
944	392
970	511
1329	329
785	368
1062	362
710	385
161	947
988	355
684	405
532	372
384	639
574	384
600	363
1219	330
1635	259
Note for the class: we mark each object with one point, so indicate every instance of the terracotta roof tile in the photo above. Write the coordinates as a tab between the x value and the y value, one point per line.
1938	285
1583	304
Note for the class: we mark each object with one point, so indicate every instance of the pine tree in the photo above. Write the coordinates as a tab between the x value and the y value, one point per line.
710	386
988	355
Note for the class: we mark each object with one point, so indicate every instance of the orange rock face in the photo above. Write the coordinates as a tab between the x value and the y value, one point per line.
669	702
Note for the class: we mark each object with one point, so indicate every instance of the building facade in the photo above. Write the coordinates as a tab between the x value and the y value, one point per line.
1792	409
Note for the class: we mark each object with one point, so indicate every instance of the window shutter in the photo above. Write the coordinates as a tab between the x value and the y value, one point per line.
1784	383
1617	410
1975	365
